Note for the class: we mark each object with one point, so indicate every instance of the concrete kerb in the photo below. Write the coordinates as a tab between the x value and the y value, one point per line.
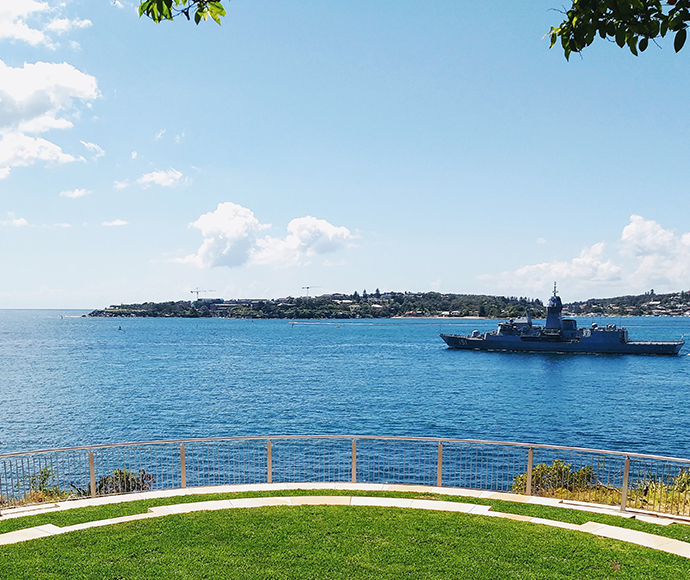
623	534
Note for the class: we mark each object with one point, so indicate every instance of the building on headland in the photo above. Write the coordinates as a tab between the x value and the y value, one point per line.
199	302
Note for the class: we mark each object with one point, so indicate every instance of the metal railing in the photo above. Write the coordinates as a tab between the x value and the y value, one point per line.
628	480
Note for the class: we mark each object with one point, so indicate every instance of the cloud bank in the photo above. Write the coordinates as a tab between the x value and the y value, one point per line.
662	257
35	99
647	256
38	97
231	239
14	221
24	20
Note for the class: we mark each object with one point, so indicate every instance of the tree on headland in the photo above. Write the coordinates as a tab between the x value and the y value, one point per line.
631	23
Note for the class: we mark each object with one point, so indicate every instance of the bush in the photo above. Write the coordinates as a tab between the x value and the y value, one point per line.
557	476
671	495
41	487
124	481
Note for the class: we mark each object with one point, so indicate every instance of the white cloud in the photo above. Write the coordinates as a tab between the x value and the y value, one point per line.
17	150
663	258
115	223
230	239
121	184
62	25
35	99
307	237
74	193
95	149
160	134
648	256
12	24
163	178
14	221
229	236
14	15
62	225
541	240
134	154
589	268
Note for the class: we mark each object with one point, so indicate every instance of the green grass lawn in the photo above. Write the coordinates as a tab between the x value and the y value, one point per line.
77	516
332	542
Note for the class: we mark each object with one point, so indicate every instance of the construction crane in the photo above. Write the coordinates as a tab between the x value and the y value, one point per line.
307	289
198	290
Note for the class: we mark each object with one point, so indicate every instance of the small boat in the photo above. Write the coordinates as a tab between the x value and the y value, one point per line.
560	335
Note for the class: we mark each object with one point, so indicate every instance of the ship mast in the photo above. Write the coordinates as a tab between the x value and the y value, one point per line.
553	311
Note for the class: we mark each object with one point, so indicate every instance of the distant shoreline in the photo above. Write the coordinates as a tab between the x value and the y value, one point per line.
424	305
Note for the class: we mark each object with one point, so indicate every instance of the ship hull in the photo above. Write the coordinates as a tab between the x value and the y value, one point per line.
589	345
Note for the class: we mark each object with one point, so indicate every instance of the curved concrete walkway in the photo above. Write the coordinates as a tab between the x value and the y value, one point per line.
661	543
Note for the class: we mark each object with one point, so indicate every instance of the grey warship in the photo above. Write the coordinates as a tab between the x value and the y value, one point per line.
560	335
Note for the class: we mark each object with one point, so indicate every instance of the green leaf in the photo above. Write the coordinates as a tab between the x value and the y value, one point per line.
554	37
156	10
679	40
643	44
632	44
216	10
620	36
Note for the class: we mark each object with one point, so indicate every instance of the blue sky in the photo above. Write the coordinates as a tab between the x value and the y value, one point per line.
343	146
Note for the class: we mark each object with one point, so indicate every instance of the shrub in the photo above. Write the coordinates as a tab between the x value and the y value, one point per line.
671	495
557	476
41	487
123	481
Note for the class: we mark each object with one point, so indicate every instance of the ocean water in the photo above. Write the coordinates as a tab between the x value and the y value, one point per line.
68	380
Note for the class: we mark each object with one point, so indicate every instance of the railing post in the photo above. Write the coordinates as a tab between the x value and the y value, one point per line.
439	466
269	462
530	463
354	461
624	491
183	467
92	474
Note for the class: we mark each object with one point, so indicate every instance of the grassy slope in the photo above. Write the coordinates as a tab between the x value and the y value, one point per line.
76	516
333	542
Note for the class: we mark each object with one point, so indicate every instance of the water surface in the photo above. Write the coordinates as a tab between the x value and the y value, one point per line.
67	380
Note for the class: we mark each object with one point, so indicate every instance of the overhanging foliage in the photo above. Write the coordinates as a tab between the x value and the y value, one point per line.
631	23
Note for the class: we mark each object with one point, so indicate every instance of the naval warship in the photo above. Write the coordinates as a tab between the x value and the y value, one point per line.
560	335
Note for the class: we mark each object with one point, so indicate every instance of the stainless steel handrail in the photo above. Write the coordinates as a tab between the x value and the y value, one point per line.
646	481
349	437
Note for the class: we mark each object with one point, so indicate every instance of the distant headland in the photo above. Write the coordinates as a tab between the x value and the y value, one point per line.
400	304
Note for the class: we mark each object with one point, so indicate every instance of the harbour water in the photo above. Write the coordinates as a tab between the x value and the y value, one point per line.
67	380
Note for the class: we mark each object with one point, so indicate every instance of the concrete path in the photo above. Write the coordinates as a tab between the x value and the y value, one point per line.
623	534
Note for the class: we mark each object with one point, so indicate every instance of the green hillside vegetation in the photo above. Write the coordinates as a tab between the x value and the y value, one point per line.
401	304
647	304
337	306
